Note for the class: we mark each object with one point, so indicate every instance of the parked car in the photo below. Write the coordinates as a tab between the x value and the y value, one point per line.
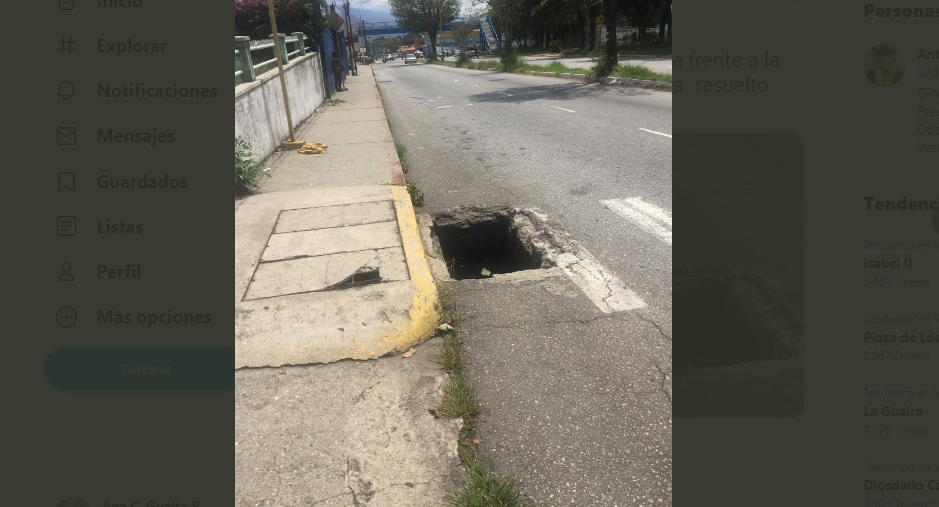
410	59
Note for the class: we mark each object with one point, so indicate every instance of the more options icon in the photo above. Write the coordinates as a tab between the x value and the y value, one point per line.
66	316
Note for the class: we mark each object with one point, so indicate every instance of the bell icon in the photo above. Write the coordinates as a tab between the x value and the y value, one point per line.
66	90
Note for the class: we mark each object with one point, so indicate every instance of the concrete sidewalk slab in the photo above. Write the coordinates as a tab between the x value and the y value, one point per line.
291	246
345	434
348	433
342	165
348	133
339	114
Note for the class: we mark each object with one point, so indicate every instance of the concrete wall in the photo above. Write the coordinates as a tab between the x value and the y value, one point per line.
260	117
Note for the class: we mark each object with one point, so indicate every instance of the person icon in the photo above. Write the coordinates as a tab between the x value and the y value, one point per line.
66	275
887	70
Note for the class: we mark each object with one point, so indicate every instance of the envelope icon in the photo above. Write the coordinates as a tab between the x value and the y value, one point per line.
66	135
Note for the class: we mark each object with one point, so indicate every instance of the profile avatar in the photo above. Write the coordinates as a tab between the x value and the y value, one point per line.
885	72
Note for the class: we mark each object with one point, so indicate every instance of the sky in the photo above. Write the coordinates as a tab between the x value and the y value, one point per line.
375	11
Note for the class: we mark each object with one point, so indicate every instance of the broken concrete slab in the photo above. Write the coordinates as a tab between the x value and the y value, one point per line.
323	272
293	245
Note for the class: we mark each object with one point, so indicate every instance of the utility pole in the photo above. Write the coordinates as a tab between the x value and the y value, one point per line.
283	81
352	63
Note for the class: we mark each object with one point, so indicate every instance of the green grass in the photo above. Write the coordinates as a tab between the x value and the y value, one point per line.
401	149
623	71
451	315
627	49
639	72
461	398
417	197
485	489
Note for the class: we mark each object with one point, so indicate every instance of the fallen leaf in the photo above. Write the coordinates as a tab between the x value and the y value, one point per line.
486	272
409	353
446	397
475	442
445	327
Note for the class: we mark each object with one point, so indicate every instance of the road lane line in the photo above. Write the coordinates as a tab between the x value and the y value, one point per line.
602	287
562	109
443	107
654	132
647	217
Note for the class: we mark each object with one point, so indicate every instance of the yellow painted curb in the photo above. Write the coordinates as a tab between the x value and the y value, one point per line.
424	316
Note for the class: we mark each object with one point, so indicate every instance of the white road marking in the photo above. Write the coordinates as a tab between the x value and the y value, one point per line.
469	104
477	86
442	107
457	80
602	287
654	132
562	109
647	217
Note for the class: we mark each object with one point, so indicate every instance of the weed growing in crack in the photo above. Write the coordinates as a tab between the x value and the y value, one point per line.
450	354
479	487
460	400
417	197
451	315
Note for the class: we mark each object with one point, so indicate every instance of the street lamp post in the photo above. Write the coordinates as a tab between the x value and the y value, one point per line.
364	34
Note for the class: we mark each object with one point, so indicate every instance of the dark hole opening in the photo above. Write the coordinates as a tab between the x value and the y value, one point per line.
709	330
477	241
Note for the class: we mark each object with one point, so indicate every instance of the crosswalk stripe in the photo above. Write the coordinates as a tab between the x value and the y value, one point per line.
647	217
600	285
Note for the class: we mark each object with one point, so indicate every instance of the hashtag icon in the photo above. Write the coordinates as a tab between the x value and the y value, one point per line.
66	45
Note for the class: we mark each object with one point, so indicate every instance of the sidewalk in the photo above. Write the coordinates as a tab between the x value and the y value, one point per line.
329	266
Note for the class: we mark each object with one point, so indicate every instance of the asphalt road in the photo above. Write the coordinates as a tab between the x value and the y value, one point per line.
660	65
576	401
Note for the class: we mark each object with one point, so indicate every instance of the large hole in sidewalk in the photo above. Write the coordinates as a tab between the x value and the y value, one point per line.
720	323
474	239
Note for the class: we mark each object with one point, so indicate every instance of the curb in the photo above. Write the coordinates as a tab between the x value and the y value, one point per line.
424	315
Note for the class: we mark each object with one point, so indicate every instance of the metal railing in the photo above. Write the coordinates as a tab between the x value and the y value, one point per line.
247	51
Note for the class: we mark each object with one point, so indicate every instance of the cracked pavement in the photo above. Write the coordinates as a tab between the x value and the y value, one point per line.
575	401
350	433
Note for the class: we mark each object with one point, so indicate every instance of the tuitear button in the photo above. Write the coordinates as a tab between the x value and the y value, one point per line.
141	368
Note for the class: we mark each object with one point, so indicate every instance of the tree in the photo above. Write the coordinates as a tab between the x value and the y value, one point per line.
425	16
465	28
252	18
510	13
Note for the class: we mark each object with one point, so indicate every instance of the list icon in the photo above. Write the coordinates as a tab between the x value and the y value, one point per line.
66	226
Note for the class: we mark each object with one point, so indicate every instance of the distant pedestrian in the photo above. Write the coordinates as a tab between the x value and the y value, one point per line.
337	71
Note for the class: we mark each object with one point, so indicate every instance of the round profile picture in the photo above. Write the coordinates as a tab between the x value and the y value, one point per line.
884	65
